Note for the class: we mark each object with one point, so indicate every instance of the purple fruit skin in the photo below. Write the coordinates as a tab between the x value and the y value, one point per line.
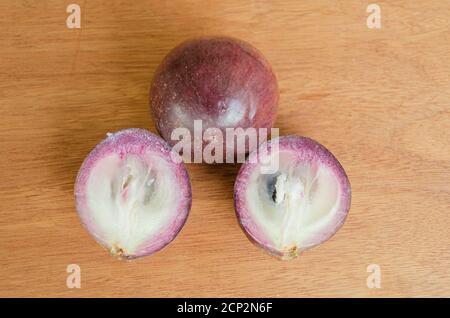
307	150
134	141
212	79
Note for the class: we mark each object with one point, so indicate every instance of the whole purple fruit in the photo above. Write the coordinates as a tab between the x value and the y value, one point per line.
224	82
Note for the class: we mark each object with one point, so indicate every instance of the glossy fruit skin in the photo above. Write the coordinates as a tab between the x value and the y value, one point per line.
306	149
224	82
134	141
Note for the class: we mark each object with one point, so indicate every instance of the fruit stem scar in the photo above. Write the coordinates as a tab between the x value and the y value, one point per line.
117	251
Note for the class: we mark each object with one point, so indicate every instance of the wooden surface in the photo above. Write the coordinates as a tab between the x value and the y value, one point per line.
379	99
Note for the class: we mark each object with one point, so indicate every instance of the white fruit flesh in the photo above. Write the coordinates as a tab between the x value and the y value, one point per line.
294	204
131	199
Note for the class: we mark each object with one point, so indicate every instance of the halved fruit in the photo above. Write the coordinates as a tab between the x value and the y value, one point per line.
132	193
299	204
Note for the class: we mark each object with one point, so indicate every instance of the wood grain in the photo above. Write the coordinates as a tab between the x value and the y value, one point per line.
379	99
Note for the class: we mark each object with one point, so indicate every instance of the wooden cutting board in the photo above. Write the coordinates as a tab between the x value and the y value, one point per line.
379	99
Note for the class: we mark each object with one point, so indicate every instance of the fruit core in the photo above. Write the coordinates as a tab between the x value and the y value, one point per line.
131	199
295	203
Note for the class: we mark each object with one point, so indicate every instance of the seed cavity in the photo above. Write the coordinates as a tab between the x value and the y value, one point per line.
127	181
149	190
277	188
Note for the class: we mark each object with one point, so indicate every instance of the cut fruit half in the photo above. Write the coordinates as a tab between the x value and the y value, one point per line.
132	193
300	204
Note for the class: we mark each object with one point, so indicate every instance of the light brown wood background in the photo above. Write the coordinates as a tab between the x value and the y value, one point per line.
378	99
